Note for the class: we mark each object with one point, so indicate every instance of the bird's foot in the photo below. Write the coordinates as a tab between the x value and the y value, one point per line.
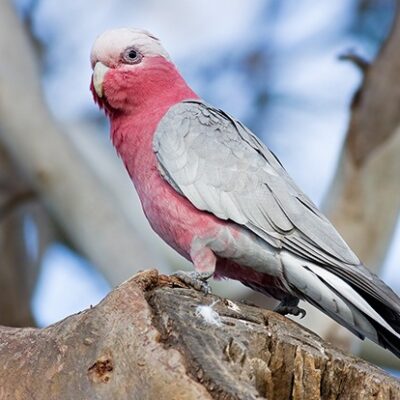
293	310
290	306
197	280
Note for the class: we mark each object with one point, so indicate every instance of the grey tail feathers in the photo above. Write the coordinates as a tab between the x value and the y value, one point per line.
384	337
367	311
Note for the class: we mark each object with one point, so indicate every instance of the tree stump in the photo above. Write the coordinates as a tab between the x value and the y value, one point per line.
151	338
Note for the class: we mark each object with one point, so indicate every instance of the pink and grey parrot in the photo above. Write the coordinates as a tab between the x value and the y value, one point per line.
215	193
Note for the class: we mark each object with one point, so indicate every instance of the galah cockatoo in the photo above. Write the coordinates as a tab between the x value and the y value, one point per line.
215	193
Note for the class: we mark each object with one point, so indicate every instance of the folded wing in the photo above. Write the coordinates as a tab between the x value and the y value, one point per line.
222	168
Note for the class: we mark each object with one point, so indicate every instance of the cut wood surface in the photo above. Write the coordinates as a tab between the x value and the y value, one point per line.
148	339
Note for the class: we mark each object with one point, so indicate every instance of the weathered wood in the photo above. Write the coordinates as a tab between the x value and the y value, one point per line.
147	340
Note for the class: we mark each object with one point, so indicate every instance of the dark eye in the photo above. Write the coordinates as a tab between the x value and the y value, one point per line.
131	56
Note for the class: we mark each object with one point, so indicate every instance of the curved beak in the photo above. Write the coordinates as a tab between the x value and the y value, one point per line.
99	72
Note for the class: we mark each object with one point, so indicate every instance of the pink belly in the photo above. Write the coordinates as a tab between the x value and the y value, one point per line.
178	222
172	216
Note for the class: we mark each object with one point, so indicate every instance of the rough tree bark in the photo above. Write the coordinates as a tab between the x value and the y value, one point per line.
148	340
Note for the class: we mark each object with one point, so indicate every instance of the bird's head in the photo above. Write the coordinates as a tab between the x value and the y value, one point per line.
131	68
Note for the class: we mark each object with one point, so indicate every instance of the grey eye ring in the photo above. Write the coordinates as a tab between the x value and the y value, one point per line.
131	56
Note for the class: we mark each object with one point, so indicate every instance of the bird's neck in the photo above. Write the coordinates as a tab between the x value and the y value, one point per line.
132	132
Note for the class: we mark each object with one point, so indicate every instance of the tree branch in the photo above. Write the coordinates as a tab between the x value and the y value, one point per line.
147	340
350	55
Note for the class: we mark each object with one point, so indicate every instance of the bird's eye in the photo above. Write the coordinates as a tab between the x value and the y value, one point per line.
131	56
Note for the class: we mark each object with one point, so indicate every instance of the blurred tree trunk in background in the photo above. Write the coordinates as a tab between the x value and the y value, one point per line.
20	259
70	189
364	199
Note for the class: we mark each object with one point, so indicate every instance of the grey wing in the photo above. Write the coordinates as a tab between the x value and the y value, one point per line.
222	168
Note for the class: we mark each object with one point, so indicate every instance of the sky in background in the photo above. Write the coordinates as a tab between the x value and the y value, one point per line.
272	64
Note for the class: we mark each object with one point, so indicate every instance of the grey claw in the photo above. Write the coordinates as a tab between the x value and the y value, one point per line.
303	313
293	310
197	280
289	305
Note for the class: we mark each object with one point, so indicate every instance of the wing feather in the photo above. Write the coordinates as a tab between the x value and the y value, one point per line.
221	167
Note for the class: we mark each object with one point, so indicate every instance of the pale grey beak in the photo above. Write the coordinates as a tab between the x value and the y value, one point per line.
99	72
